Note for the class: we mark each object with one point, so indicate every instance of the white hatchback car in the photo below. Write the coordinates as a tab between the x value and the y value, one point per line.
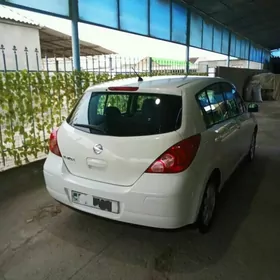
153	153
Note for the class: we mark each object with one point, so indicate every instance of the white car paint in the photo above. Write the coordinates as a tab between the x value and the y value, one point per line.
118	172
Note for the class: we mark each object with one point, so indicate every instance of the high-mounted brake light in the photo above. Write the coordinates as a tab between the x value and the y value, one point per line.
53	144
177	158
123	88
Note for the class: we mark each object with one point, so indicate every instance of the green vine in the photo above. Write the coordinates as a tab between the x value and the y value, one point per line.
31	104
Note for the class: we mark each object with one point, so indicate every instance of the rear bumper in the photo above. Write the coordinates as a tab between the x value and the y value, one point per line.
161	201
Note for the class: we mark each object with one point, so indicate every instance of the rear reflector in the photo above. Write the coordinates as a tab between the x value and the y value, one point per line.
53	144
177	158
123	88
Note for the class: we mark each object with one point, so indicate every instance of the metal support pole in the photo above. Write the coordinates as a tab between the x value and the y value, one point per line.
249	54
73	7
187	60
262	59
4	57
16	58
228	61
26	58
150	66
47	63
37	59
229	47
188	41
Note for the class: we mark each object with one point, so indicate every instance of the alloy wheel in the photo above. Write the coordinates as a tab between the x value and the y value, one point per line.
209	203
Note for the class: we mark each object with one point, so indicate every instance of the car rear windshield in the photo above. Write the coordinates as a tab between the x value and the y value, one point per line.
127	114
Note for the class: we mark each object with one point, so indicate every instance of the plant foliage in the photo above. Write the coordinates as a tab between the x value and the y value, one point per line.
31	104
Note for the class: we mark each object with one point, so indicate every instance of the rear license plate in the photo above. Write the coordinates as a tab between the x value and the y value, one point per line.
95	202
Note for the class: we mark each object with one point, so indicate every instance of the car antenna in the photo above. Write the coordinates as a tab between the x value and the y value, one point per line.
140	79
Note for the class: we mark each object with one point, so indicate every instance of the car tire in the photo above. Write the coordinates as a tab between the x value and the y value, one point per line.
207	208
252	149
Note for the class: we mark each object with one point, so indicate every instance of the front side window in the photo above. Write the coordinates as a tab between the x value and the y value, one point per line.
206	108
240	104
230	95
220	102
127	114
217	103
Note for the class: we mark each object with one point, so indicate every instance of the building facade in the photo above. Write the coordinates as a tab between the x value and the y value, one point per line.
19	42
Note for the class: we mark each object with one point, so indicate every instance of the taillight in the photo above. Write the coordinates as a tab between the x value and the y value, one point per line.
177	158
53	144
123	88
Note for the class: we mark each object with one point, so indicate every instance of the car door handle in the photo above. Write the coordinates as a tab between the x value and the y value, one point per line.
218	138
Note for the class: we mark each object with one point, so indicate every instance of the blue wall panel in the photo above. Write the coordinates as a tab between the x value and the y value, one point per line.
58	7
243	52
179	24
160	19
253	53
259	55
247	48
233	45
196	30
225	41
266	57
134	16
217	39
256	54
103	12
238	47
207	38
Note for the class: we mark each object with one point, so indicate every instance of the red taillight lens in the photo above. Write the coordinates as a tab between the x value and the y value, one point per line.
123	88
53	144
177	158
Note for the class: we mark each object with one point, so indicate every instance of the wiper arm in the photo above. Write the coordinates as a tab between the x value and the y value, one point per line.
90	126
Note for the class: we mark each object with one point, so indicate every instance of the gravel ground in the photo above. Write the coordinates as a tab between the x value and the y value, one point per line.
40	240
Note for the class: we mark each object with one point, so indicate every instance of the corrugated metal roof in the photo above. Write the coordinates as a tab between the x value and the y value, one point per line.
8	13
258	20
55	43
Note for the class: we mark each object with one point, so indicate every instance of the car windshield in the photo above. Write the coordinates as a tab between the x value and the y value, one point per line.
127	114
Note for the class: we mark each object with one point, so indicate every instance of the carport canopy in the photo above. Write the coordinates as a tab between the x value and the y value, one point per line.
258	20
54	43
245	29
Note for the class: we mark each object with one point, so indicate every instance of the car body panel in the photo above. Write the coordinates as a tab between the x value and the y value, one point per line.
123	159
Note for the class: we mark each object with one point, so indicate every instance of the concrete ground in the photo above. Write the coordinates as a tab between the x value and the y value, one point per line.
40	239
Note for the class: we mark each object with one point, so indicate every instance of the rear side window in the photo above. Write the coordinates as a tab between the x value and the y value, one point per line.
123	114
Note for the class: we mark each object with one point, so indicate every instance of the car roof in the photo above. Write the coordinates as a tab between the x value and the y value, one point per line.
161	84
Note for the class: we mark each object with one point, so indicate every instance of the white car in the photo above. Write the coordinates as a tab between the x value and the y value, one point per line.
153	153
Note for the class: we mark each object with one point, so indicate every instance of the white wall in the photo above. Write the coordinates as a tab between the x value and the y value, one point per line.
20	36
233	63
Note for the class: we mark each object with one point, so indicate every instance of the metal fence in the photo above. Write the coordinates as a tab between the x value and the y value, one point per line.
16	59
36	94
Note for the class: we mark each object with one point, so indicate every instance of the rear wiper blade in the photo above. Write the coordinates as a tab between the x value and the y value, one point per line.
90	126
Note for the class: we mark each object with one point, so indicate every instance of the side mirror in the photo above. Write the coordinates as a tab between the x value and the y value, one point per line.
253	108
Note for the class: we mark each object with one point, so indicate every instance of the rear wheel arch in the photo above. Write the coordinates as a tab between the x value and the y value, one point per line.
203	220
216	177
